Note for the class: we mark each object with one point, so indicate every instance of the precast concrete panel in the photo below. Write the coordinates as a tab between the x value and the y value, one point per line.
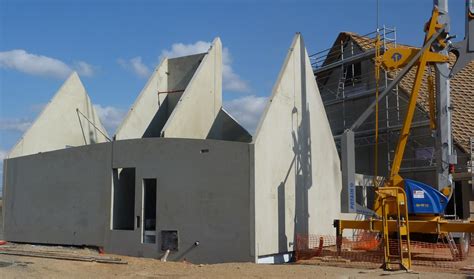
146	106
158	99
225	127
297	169
58	197
201	101
67	120
67	197
180	71
202	193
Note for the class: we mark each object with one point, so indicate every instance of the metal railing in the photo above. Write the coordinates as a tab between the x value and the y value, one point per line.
336	52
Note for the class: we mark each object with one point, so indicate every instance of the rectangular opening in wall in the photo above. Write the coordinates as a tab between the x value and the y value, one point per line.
123	200
149	210
169	240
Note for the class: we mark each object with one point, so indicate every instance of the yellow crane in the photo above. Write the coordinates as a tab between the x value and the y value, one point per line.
393	215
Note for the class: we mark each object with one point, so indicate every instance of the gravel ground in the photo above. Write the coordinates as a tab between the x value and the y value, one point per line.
25	267
33	267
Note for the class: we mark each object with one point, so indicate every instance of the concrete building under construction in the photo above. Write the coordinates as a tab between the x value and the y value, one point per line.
180	174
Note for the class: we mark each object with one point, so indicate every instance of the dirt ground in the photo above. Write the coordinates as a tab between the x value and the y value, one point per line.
15	266
26	267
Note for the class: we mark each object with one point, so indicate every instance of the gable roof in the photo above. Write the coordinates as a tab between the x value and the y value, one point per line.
462	91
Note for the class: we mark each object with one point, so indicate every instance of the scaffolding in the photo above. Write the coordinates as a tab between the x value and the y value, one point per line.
345	75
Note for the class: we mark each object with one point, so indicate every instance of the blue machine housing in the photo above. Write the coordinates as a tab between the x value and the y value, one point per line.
424	199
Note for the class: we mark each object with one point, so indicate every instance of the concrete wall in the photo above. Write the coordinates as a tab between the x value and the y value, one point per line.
58	197
146	106
188	109
58	126
203	192
225	127
297	170
201	101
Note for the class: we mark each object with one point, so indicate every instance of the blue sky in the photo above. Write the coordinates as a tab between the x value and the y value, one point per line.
115	44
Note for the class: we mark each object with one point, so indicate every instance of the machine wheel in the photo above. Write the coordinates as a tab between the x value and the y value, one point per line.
464	244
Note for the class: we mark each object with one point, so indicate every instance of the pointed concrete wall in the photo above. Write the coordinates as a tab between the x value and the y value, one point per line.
225	127
145	107
201	101
150	112
297	169
58	126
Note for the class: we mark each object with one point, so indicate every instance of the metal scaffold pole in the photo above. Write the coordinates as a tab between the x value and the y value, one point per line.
443	137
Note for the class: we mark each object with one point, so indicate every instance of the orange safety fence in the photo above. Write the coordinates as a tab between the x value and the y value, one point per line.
365	250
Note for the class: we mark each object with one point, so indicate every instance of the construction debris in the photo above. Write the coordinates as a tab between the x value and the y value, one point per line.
59	256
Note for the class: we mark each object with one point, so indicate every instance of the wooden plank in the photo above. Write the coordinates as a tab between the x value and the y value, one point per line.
58	256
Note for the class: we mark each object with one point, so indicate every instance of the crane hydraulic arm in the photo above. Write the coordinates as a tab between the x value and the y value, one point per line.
399	57
400	199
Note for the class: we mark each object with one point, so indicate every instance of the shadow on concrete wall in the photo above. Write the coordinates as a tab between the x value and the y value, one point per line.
302	165
158	121
124	199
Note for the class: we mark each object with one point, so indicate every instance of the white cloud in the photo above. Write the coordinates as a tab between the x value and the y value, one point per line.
230	80
247	110
15	124
40	65
84	69
111	117
136	66
180	49
33	64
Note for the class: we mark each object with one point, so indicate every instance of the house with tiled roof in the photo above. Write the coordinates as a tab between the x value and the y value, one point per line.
345	75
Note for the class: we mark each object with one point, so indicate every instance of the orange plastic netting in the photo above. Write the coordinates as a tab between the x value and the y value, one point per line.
365	250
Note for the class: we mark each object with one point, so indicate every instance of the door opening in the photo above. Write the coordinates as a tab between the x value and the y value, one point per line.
149	210
123	198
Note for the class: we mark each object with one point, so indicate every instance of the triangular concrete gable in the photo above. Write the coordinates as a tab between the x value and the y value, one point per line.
146	106
226	127
63	123
297	169
201	101
159	98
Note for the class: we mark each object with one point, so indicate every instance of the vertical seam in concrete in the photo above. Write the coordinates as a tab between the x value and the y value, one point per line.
108	229
4	191
215	86
253	227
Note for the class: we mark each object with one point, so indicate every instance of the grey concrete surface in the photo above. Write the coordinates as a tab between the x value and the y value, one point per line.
146	106
150	111
58	125
66	197
236	200
297	168
58	197
1	219
225	127
201	101
202	192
